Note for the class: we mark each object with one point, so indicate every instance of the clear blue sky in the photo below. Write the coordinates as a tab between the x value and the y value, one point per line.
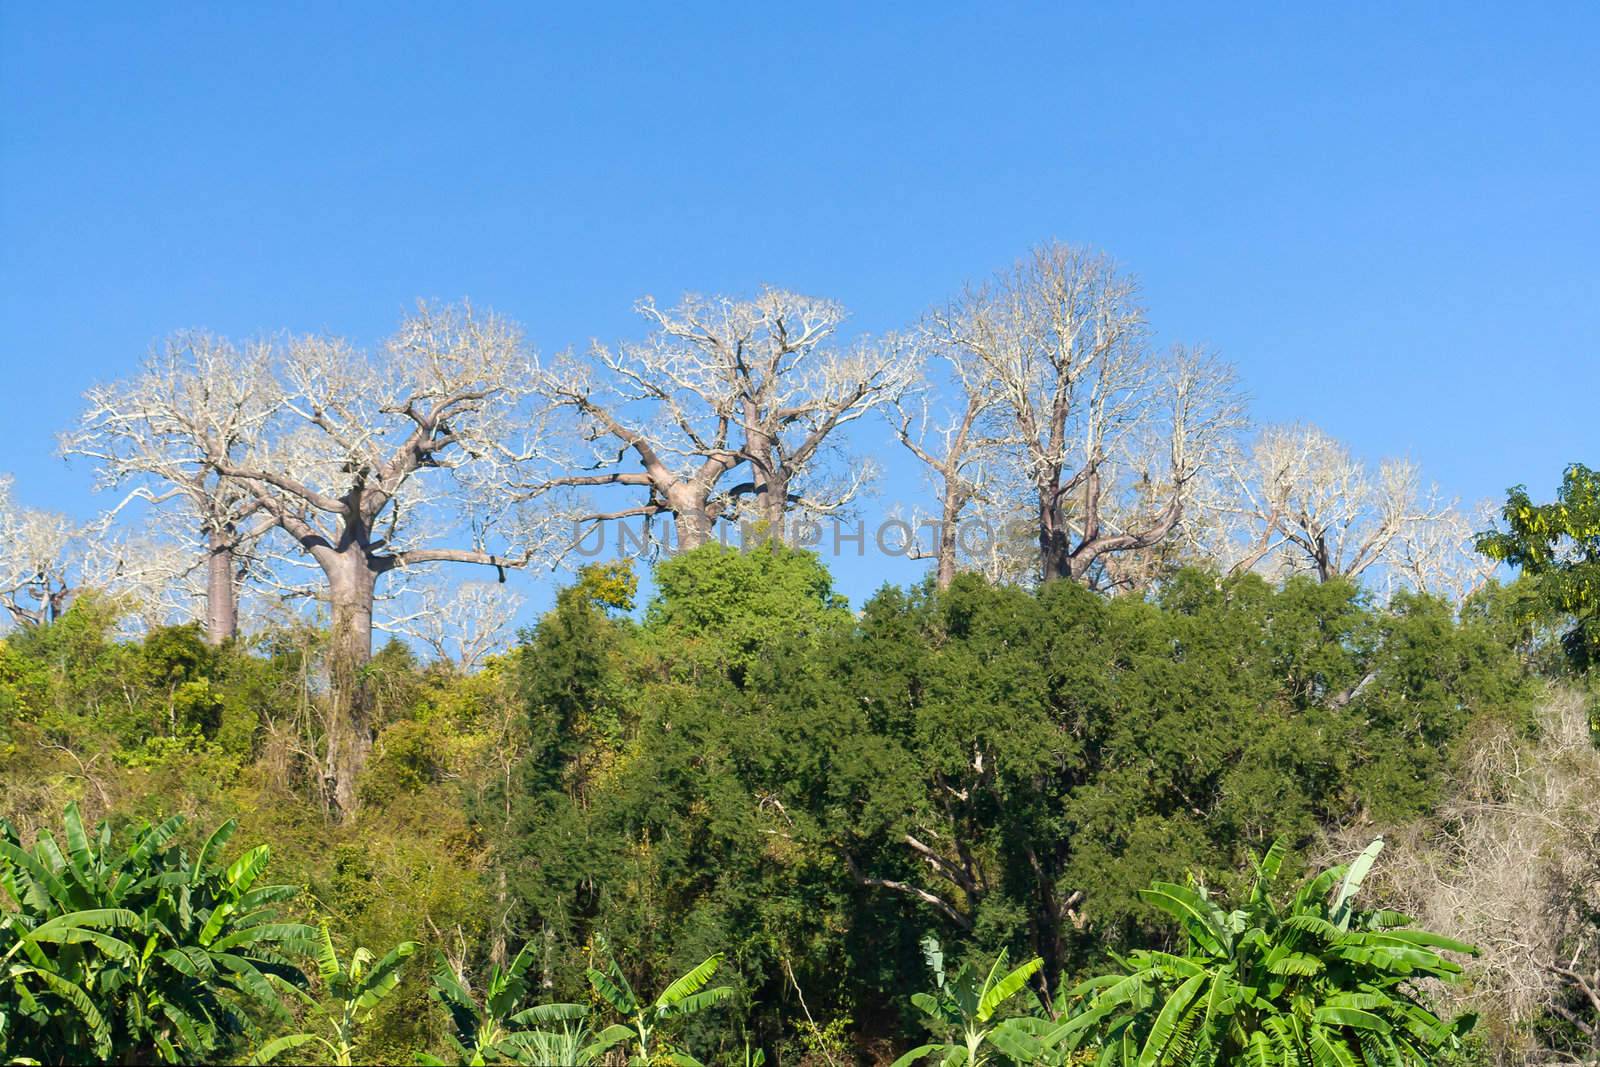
1388	216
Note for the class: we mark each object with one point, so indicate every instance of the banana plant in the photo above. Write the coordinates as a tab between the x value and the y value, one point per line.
1315	981
566	1047
684	996
965	1006
497	1028
138	954
356	989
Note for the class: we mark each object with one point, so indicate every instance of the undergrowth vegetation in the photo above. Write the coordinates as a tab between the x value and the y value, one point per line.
740	822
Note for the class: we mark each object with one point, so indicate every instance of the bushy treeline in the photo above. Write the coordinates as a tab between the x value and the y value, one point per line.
748	769
999	767
143	955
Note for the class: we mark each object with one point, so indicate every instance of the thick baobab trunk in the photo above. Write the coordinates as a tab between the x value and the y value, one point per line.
694	530
769	482
222	601
691	516
775	504
350	585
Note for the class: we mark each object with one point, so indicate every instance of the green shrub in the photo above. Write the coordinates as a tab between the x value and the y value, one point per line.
138	953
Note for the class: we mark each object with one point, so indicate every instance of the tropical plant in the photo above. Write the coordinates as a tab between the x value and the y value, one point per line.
138	955
1557	545
1317	981
356	989
964	1008
684	996
564	1047
493	1029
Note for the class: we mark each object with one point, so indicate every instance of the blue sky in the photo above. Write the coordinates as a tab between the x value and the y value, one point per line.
1386	216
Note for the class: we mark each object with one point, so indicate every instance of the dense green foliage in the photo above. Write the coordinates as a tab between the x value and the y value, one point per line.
745	771
1001	768
965	763
1557	546
137	952
1319	981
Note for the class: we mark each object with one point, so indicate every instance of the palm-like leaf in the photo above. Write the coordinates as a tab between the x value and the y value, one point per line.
379	982
1353	877
139	954
614	993
1200	919
608	1039
279	1045
491	1029
964	1008
685	995
689	982
1319	983
551	1013
997	992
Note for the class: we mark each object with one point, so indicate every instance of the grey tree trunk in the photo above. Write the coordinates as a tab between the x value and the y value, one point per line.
775	504
351	585
948	534
692	519
222	598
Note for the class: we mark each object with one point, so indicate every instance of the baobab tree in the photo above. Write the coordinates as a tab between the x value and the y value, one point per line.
159	436
1436	554
461	623
369	463
1303	501
1160	466
37	577
963	450
1065	340
721	384
48	561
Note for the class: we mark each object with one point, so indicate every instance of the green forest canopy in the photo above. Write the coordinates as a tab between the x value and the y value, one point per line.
747	770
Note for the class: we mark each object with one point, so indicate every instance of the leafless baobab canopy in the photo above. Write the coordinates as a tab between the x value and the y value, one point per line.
1107	434
729	408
